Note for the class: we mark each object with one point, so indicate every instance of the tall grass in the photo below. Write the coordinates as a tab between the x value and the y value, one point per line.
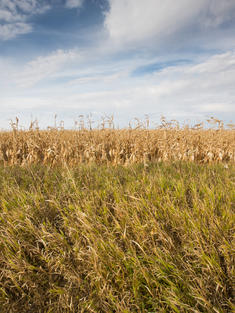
96	238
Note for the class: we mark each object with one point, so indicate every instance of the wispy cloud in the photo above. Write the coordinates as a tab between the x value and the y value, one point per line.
14	16
188	90
9	31
44	67
74	3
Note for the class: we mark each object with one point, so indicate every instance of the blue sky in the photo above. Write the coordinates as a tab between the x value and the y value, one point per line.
123	57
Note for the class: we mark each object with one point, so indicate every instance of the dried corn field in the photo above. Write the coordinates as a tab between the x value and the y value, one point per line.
126	146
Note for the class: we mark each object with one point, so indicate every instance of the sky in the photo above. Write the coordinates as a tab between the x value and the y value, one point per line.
127	58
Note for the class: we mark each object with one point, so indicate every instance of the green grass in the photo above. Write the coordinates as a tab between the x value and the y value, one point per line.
117	239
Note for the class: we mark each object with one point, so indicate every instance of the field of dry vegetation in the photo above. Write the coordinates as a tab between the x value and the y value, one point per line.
117	220
168	142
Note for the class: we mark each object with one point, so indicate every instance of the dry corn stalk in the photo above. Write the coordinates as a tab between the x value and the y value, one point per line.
57	146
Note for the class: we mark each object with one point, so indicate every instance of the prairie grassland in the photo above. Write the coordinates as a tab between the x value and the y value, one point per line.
98	238
57	146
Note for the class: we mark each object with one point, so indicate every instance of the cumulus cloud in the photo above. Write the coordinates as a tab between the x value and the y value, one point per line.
135	21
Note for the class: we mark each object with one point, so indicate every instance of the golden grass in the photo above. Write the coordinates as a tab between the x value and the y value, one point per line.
105	239
57	146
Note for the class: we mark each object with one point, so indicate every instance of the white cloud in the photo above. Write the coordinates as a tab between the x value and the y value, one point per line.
185	91
44	67
218	107
8	16
217	63
97	78
14	15
217	12
137	21
73	3
9	31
